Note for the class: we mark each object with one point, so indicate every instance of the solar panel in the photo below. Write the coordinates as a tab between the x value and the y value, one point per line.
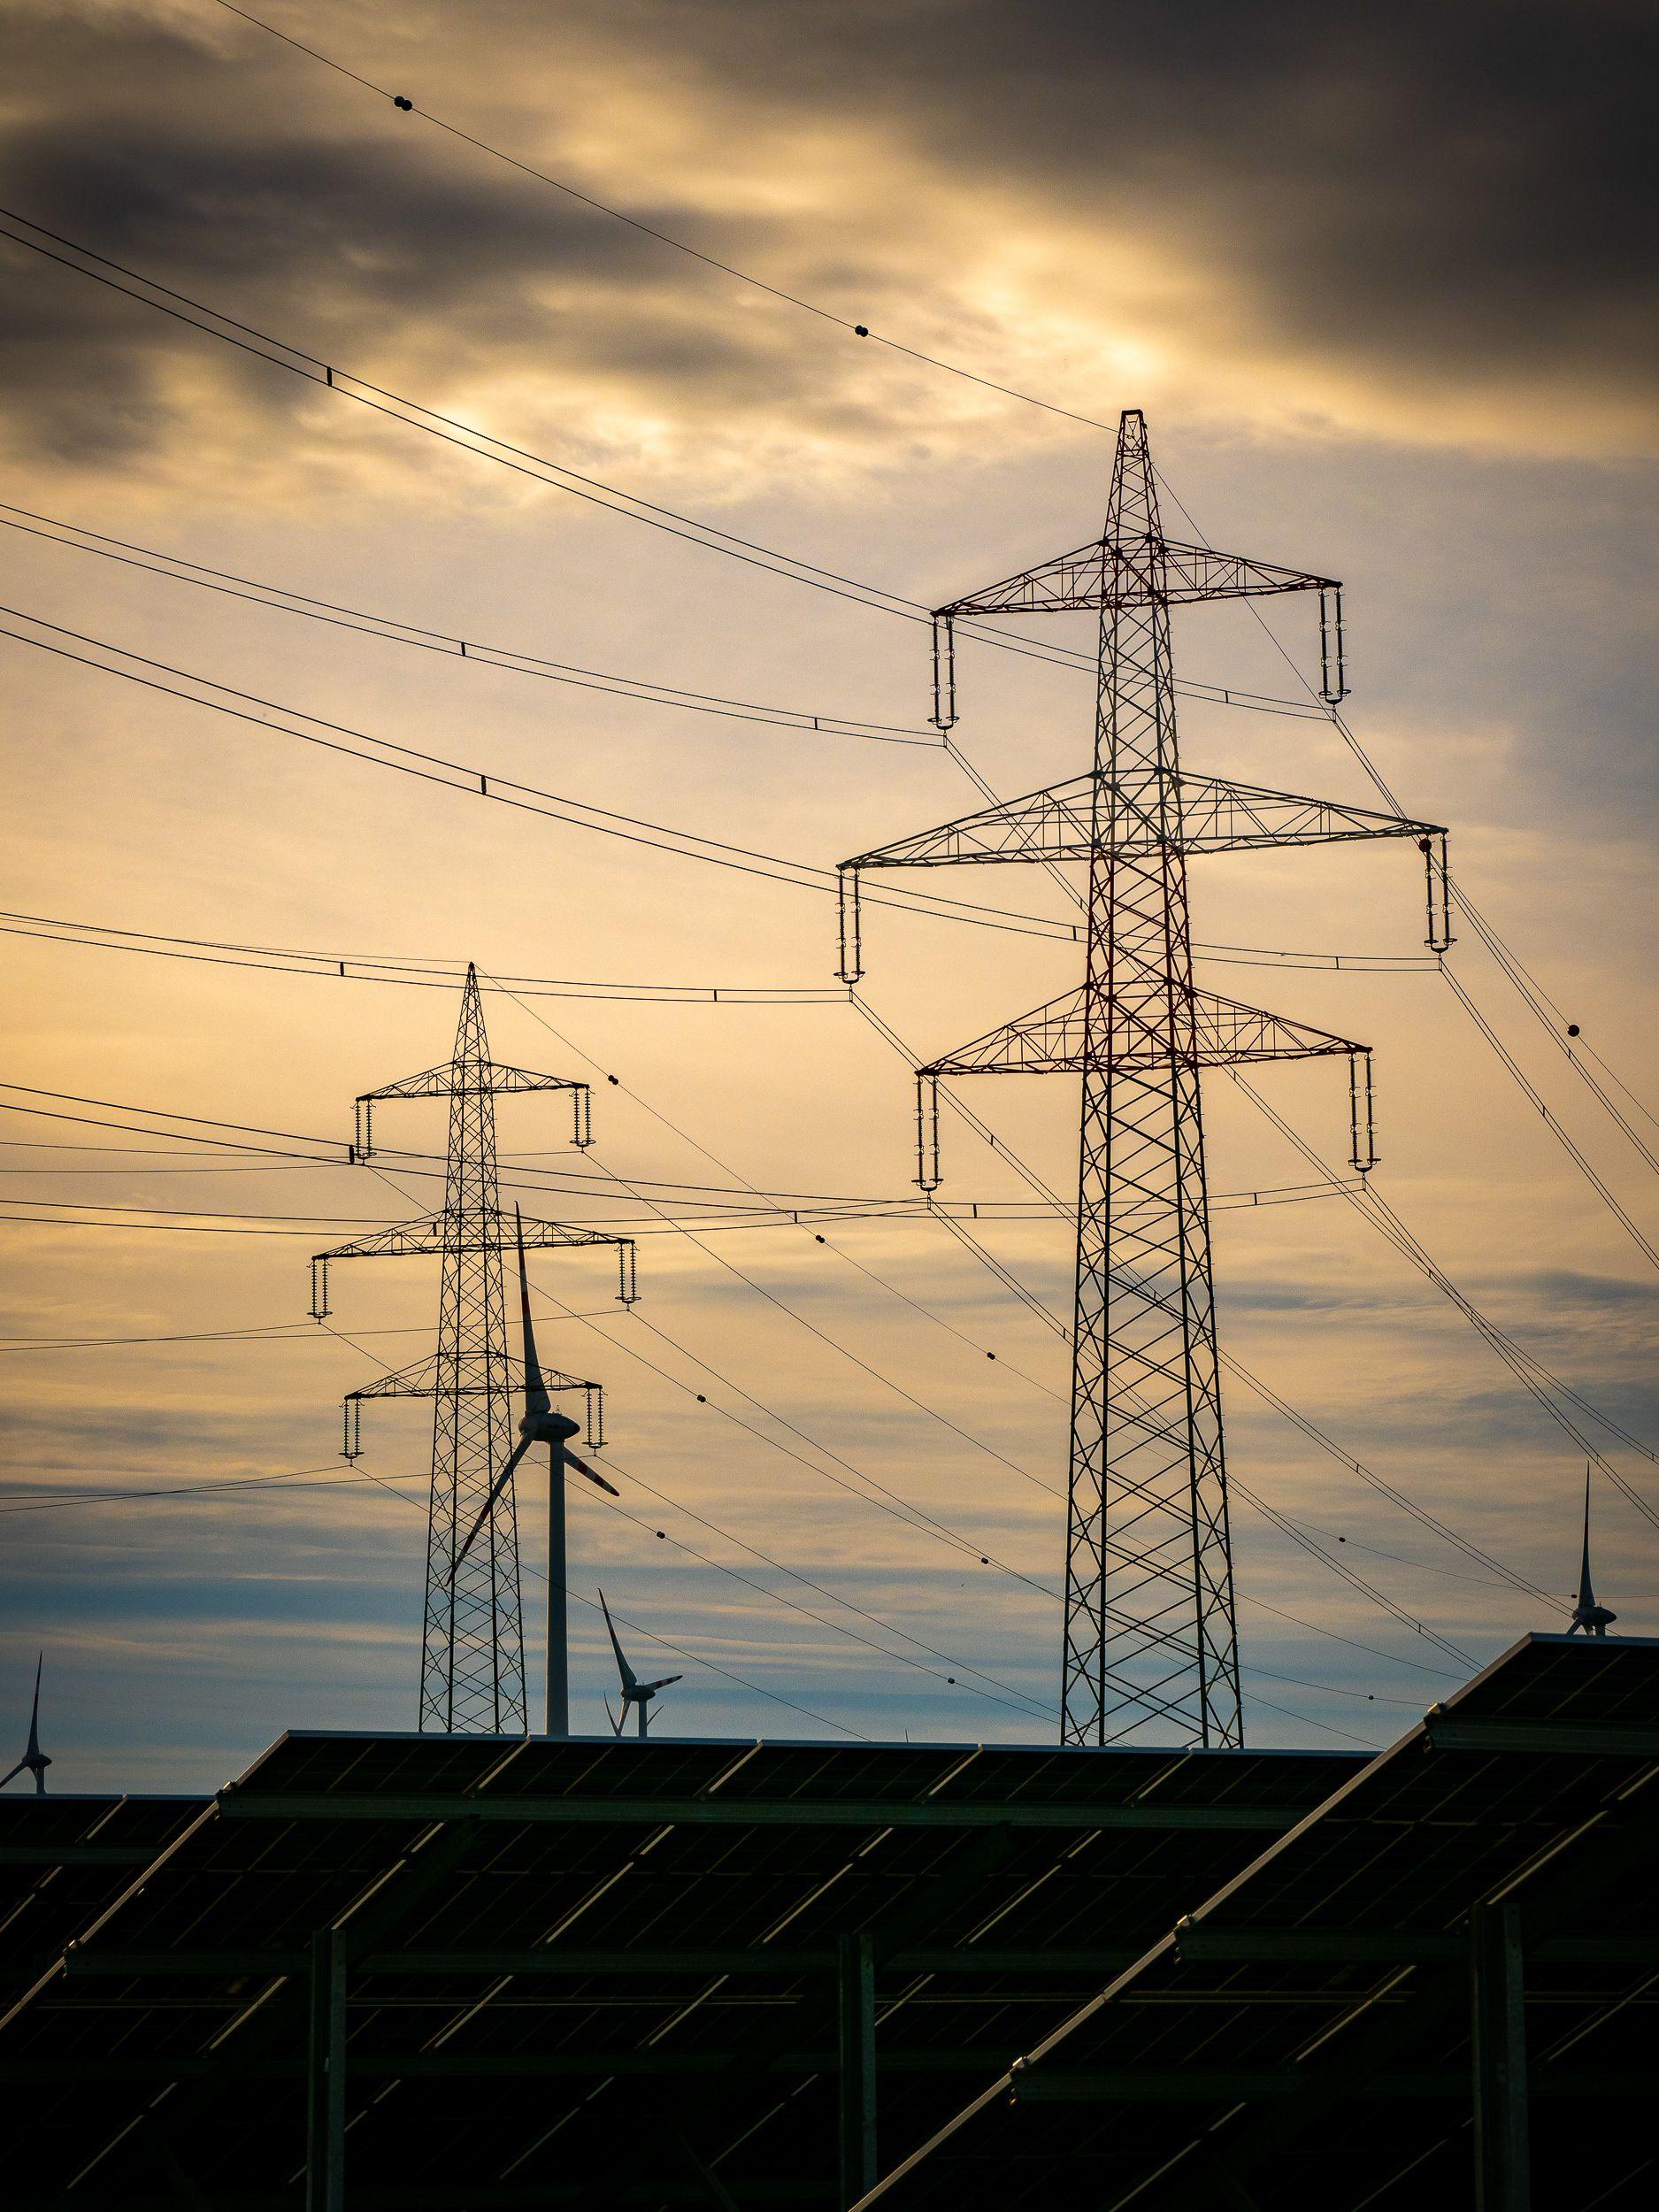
63	1860
1307	2035
536	1928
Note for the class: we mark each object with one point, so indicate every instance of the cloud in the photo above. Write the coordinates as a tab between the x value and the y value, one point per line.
1416	225
1432	198
1291	238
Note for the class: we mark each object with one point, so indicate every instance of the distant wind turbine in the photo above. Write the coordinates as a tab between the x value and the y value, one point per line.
1594	1619
541	1425
34	1760
635	1693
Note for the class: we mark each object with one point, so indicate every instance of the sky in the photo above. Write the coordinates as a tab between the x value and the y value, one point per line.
1379	280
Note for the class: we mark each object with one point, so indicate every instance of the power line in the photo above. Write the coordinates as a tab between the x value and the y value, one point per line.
771	1296
1304	1542
393	630
1234	1366
287	1333
303	1152
1533	992
1026	1705
726	1169
1560	1033
381	401
875	1492
1382	1217
1530	1093
281	600
1532	1375
445	975
1395	1658
317	1477
649	230
522	462
452	775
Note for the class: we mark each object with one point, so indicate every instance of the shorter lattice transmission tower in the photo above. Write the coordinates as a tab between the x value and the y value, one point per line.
1150	1636
473	1673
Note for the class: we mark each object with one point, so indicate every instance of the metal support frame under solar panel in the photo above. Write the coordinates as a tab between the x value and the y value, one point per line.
532	1936
412	1971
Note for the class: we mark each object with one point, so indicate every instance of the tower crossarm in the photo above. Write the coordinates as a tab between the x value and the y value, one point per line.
456	1234
479	1078
427	1380
472	1378
1053	1040
1135	572
1219	816
1054	823
1093	813
402	1240
1214	815
493	1075
501	1078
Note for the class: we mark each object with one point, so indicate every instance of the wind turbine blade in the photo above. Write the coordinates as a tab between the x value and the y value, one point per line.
582	1467
664	1683
500	1482
34	1751
16	1770
616	1725
630	1680
536	1397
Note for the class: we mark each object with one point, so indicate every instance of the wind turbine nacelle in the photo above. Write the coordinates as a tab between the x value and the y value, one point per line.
550	1428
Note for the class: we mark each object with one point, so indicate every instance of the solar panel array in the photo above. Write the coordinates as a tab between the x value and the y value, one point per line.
1303	2037
545	1934
599	1972
63	1860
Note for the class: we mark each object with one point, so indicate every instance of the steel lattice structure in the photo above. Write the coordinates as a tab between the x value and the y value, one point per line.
1151	1634
471	1676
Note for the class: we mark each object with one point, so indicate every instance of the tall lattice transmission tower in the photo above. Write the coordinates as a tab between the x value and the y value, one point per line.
1150	1635
471	1671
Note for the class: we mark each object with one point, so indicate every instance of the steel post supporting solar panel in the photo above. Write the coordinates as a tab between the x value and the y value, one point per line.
856	1994
1498	2057
326	2076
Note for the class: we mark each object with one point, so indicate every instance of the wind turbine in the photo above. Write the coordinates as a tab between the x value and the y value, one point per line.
34	1760
1594	1619
541	1425
635	1692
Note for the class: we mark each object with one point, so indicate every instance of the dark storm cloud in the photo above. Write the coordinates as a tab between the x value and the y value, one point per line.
1432	197
376	255
1461	183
